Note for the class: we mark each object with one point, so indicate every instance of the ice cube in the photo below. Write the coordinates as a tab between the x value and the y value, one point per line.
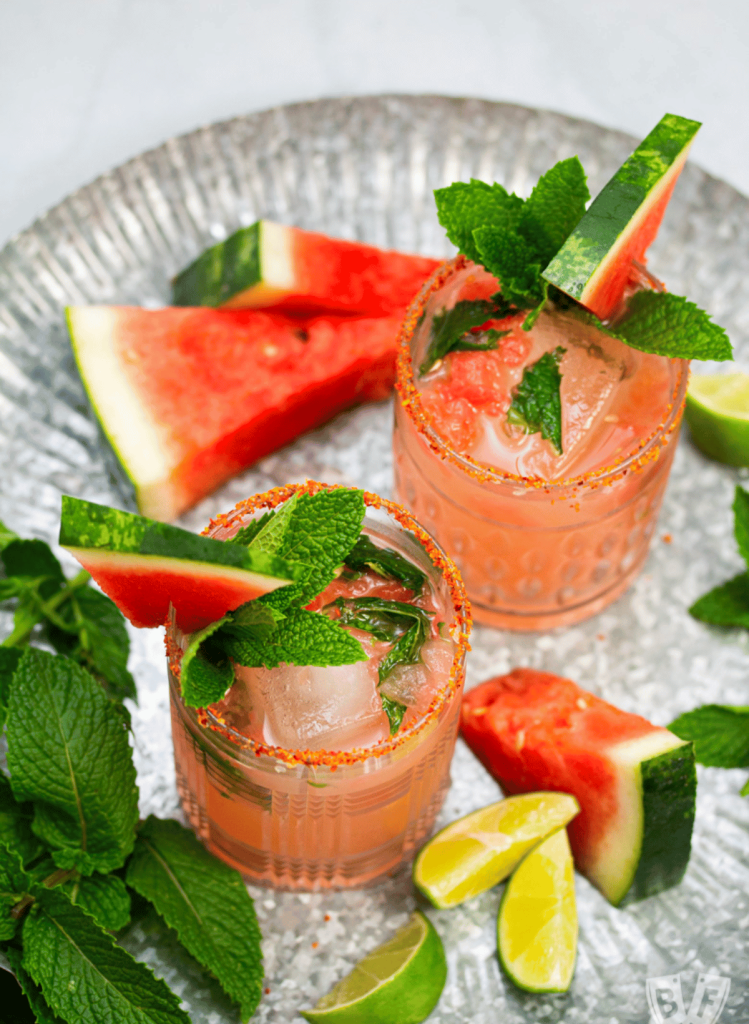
311	708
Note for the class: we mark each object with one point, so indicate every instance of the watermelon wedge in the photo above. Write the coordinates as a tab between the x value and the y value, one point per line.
272	265
145	566
189	397
635	782
595	263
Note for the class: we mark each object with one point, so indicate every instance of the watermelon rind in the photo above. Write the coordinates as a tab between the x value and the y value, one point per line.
590	254
647	847
137	561
251	268
127	423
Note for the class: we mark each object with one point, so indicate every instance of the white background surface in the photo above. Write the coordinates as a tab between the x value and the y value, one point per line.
86	84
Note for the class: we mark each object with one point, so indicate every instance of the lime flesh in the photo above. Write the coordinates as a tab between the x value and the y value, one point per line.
537	926
400	982
476	852
717	412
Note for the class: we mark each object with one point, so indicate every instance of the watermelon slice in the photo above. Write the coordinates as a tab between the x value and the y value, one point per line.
144	566
635	782
271	265
595	263
189	397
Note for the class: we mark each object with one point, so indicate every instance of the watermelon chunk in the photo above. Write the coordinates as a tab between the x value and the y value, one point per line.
635	782
145	566
272	265
189	397
595	263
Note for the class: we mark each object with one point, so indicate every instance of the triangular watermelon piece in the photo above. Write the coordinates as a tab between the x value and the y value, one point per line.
190	397
595	263
268	265
144	566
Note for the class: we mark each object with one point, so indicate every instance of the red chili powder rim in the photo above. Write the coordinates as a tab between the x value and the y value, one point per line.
209	718
647	450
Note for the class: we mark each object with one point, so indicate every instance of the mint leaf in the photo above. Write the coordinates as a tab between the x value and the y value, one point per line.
6	536
206	672
725	605
68	752
9	658
386	562
205	902
14	883
671	326
536	404
450	331
513	262
252	621
464	206
720	734
248	533
84	976
554	208
318	531
97	638
741	521
303	638
15	823
395	712
39	1007
33	559
104	897
744	791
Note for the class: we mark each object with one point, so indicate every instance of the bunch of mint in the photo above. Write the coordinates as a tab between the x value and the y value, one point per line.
314	535
516	239
71	844
69	615
720	733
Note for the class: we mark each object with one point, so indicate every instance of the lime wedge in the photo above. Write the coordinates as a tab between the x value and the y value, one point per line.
537	926
475	852
717	412
400	982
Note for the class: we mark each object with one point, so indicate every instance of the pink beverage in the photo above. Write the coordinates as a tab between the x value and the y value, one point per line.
294	778
541	539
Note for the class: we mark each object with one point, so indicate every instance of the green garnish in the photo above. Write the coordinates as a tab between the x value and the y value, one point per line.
385	562
451	330
517	239
74	619
536	404
69	838
392	621
728	603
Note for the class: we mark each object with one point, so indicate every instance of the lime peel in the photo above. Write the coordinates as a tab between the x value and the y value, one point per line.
481	849
717	412
400	982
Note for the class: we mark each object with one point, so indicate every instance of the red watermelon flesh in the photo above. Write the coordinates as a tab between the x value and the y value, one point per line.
143	587
536	731
191	396
335	275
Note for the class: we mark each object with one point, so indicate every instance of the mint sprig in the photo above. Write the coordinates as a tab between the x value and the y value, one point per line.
536	404
728	603
205	902
386	562
516	239
72	802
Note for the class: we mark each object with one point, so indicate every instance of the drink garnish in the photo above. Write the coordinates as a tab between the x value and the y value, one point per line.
536	404
720	734
520	242
456	329
393	621
385	562
717	412
728	603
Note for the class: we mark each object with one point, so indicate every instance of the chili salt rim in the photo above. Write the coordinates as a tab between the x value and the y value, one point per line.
443	563
647	450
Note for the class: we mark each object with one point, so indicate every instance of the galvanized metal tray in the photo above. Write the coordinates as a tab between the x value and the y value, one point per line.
365	168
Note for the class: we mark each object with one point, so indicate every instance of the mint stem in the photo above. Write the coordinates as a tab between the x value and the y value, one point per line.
48	609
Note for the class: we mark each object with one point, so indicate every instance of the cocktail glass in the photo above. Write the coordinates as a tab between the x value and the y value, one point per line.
534	554
324	819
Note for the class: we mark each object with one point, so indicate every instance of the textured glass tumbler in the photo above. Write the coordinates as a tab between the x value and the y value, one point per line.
533	555
317	819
